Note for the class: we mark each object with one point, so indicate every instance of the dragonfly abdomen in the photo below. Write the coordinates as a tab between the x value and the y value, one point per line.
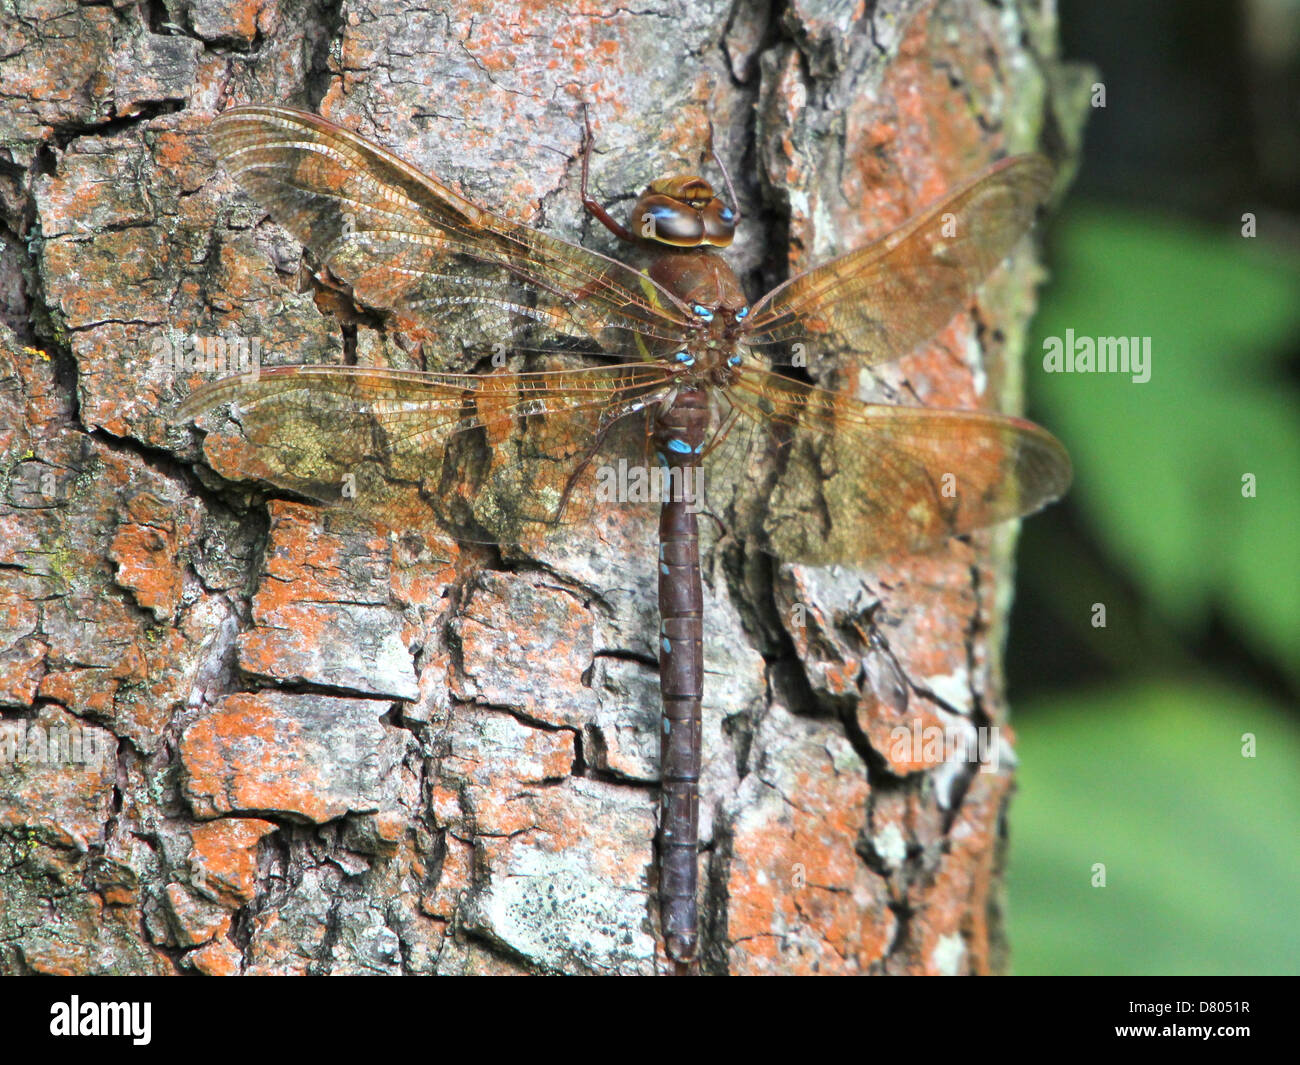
679	439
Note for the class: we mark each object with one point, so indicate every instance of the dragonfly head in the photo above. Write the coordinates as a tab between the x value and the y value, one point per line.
683	212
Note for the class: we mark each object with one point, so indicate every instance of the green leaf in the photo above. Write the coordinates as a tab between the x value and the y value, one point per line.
1159	466
1199	843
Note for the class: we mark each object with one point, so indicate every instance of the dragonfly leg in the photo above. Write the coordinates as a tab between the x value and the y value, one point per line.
588	201
728	424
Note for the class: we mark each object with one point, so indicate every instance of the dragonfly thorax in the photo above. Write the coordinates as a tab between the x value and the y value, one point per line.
708	287
712	364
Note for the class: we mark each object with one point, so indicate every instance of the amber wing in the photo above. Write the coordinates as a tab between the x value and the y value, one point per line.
493	458
822	479
406	242
876	304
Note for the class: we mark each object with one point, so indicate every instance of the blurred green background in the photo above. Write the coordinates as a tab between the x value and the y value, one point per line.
1162	751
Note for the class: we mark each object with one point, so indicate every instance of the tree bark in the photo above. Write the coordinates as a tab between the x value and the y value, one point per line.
272	744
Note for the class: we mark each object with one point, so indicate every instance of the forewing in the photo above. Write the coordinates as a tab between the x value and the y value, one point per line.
405	242
492	458
877	303
847	481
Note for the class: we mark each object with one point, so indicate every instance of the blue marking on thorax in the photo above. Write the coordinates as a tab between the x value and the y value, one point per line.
679	446
703	312
685	357
734	360
742	313
668	647
663	569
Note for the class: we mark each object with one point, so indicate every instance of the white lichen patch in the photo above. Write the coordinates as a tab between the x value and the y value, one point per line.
952	689
948	955
890	844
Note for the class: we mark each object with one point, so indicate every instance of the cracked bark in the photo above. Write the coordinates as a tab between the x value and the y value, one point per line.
325	751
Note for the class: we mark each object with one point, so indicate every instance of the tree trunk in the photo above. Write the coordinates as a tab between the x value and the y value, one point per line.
241	738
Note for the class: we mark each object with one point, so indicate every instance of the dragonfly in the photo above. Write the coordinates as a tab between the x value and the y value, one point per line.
660	355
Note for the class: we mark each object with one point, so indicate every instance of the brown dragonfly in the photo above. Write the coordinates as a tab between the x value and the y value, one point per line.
522	456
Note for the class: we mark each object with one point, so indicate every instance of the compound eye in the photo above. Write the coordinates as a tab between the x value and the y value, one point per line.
719	223
667	221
